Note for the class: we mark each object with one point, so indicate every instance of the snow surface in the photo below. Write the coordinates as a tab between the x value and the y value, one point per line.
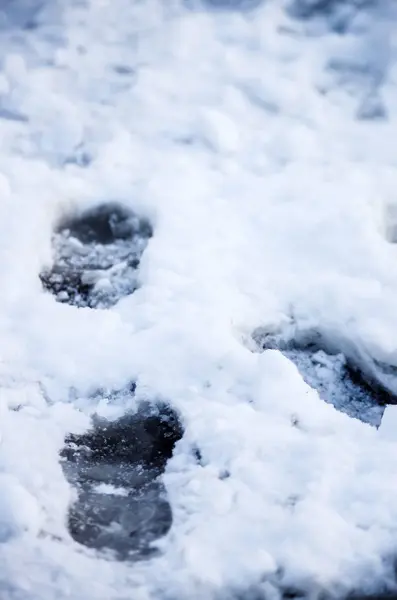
388	428
262	149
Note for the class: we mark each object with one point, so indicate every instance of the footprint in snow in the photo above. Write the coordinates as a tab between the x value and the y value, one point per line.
337	378
116	468
96	256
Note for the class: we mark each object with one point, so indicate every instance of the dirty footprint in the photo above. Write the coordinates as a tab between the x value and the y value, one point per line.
116	468
96	256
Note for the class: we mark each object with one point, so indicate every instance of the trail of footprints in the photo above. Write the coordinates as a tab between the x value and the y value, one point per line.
116	466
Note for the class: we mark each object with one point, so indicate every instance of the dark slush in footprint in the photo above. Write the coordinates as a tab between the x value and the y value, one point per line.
116	468
96	256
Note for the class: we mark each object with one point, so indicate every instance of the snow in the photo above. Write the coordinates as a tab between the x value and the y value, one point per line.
388	428
240	136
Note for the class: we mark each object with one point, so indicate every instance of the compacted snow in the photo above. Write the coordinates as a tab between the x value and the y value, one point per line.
249	304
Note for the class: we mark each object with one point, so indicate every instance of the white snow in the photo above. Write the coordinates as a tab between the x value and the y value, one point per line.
388	427
269	198
110	489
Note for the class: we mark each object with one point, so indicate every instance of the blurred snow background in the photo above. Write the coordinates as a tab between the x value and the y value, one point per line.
259	140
